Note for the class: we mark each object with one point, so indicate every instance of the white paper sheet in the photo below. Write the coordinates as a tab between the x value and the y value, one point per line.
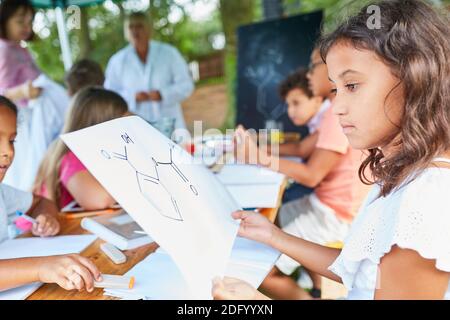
244	174
178	203
33	247
20	293
255	196
157	277
37	247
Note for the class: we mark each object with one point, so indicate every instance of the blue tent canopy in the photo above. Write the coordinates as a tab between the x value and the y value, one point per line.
64	3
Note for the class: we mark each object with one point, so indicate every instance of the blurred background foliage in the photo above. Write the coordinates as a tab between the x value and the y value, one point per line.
100	31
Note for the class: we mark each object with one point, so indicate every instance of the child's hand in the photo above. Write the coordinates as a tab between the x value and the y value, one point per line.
255	226
47	225
233	289
141	96
69	272
245	146
154	95
31	92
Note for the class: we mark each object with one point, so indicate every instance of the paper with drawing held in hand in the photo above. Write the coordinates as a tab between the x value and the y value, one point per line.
177	202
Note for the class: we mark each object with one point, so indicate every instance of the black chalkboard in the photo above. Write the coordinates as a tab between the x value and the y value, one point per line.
267	53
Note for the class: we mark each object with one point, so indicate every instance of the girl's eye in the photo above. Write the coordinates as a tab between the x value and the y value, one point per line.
351	86
334	91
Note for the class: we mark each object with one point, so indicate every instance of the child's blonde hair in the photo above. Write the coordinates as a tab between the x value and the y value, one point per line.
89	107
414	41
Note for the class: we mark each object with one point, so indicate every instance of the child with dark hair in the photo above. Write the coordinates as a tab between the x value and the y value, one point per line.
303	107
84	73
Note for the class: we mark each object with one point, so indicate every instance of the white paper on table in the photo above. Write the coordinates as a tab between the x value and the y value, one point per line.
33	247
20	293
39	247
157	276
245	174
179	203
255	196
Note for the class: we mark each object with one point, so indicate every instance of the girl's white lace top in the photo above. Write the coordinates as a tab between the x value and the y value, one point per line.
415	216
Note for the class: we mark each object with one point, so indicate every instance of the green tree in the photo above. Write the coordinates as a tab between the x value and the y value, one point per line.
101	35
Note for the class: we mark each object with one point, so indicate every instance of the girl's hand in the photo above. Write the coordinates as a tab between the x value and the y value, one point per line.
47	225
69	272
245	146
255	226
234	289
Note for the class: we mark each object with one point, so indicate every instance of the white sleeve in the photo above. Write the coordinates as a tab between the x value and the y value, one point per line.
182	84
15	199
424	218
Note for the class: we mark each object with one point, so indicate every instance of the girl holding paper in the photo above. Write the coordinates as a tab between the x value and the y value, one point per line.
392	94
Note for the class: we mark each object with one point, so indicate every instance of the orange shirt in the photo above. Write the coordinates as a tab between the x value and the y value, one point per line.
341	190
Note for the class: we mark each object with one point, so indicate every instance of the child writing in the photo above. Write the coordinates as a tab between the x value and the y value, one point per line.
62	177
392	97
331	169
69	271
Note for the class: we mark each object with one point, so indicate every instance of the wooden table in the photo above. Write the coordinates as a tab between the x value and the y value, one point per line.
105	265
71	227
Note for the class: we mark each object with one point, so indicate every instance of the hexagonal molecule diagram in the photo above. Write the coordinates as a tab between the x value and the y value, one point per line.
152	183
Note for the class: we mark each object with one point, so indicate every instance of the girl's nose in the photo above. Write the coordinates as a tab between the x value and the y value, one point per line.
338	106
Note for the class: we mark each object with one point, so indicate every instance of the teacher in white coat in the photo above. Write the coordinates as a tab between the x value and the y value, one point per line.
151	76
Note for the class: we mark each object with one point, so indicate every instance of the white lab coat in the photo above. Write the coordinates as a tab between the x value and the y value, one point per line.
165	70
38	125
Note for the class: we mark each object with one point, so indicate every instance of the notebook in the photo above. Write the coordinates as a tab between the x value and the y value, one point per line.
120	230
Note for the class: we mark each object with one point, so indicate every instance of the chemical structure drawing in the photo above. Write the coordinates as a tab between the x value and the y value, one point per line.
151	184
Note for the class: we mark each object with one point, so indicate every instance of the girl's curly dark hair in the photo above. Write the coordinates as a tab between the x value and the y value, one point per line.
414	41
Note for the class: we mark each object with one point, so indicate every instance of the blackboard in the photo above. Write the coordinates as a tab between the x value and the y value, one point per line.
267	53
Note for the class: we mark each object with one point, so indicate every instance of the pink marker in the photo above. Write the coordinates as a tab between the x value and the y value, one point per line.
24	222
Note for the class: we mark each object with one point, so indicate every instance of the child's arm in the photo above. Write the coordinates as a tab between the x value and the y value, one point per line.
255	226
302	149
309	174
405	274
68	271
314	257
88	192
46	214
23	91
